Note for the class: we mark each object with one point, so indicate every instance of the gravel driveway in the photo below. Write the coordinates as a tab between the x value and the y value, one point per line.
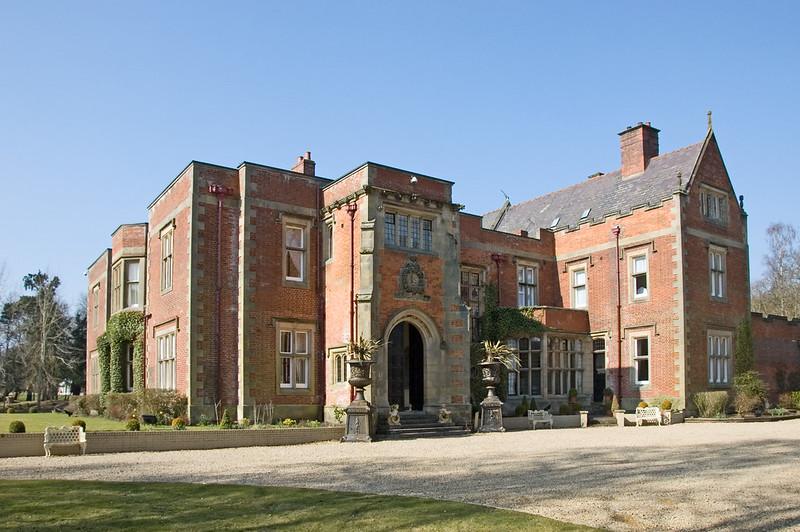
688	476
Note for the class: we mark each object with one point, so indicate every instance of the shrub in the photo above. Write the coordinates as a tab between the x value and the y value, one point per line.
790	400
79	423
750	392
747	404
313	423
203	421
339	413
522	408
777	411
568	409
711	404
132	424
33	410
9	410
84	404
666	405
119	406
178	423
226	422
572	395
289	422
532	404
642	404
244	422
16	427
166	404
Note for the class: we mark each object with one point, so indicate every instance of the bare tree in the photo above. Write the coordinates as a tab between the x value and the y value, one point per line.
778	291
46	335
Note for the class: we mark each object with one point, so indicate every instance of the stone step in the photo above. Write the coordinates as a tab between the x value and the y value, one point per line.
602	421
438	432
440	428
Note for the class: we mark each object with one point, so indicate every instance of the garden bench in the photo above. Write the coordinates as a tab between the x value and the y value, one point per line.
64	436
650	413
539	416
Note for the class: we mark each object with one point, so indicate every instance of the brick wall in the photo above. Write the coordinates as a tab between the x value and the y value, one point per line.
776	348
98	275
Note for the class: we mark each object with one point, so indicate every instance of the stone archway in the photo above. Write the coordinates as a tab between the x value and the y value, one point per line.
428	353
406	367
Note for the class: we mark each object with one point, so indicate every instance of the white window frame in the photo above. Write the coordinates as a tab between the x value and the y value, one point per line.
133	287
294	356
635	357
95	305
717	272
117	285
94	372
167	237
302	249
329	229
527	290
634	274
166	360
719	351
575	290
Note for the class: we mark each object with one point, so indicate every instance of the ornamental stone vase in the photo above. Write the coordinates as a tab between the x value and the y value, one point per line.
359	412
491	407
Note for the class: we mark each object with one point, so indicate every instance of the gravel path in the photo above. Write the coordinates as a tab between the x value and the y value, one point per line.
688	476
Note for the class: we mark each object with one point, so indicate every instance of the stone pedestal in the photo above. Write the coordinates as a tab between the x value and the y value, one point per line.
359	413
359	422
492	413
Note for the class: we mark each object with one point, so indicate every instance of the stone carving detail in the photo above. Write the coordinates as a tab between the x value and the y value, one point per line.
412	278
394	415
445	416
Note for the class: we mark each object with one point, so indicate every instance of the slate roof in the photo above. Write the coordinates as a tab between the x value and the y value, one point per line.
603	195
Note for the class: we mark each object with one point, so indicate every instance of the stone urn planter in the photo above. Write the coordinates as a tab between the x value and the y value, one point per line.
359	412
495	355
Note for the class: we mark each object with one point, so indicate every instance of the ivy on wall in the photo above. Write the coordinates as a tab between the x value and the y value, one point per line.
499	324
126	327
103	359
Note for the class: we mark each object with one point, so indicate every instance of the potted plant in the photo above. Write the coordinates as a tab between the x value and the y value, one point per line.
495	354
359	358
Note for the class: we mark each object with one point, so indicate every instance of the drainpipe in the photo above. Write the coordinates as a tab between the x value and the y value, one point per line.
497	258
616	231
351	211
320	300
219	191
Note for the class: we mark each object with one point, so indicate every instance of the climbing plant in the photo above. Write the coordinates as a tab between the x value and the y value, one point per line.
124	328
499	324
103	360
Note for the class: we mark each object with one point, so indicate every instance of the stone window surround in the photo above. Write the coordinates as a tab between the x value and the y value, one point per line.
293	326
305	224
119	301
720	216
426	215
170	360
723	251
520	264
545	368
720	333
634	335
581	266
338	355
632	255
95	305
167	262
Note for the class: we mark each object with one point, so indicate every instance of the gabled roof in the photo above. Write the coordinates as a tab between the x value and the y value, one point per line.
600	196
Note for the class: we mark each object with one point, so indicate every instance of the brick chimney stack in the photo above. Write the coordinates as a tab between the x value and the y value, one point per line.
638	145
305	165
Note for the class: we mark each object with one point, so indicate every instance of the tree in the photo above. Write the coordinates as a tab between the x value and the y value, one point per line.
46	335
743	355
778	292
77	372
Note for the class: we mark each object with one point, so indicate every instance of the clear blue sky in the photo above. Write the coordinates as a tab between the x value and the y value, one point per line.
102	105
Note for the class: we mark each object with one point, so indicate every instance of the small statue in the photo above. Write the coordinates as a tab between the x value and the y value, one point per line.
394	415
445	416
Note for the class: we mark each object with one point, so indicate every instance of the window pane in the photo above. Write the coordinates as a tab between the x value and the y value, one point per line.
642	347
536	344
580	277
294	237
643	369
641	285
301	372
524	383
402	222
639	264
523	344
286	371
389	228
294	264
415	232
132	270
427	235
580	296
301	342
512	383
286	342
536	382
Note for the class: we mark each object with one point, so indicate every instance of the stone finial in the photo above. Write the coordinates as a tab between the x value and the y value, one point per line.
680	180
709	120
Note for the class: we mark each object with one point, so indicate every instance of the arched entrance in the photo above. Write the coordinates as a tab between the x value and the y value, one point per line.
406	375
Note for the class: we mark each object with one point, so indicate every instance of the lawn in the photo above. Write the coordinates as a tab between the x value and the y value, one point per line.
77	505
37	422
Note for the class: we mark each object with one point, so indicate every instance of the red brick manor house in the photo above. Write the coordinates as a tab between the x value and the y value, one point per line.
243	275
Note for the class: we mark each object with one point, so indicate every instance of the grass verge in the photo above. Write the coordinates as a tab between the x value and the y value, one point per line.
80	505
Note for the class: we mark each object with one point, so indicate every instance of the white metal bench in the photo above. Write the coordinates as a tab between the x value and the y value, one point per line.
539	416
650	413
64	436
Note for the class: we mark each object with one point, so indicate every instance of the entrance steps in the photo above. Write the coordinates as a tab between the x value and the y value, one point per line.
418	425
599	416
